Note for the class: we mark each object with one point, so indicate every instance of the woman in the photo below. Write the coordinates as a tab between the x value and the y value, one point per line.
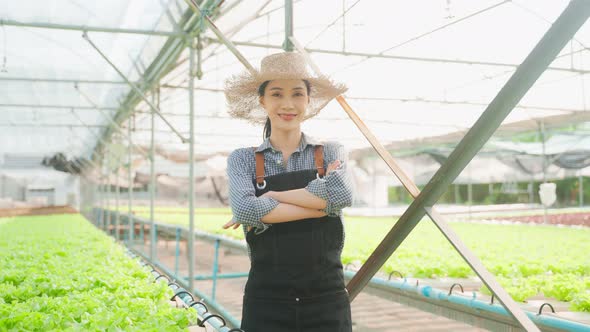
288	194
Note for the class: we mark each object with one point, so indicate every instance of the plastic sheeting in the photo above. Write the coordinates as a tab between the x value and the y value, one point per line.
447	60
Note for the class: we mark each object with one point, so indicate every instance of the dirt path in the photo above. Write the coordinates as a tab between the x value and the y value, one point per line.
36	211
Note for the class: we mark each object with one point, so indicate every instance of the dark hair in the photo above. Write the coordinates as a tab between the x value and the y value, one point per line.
266	131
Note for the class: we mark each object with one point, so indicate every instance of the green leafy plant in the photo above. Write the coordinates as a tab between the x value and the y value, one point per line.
61	273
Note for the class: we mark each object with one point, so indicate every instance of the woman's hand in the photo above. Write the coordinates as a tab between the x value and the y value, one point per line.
231	224
333	166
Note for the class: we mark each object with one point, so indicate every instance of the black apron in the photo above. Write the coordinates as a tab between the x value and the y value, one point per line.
296	280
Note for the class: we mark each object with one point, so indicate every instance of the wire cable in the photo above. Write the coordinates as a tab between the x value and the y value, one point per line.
333	23
427	33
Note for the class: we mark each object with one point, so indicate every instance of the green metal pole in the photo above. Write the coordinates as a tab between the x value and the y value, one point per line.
108	205
343	26
152	181
525	76
117	196
215	269
177	251
191	169
531	189
469	193
581	189
130	223
287	44
178	34
542	132
101	200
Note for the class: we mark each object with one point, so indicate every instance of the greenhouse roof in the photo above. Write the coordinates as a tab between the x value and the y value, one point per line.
417	72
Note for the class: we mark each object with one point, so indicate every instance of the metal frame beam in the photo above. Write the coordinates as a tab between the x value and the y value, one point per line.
170	86
191	170
88	81
152	184
466	102
230	32
59	80
162	63
110	120
50	125
287	45
68	107
135	88
130	187
178	34
397	57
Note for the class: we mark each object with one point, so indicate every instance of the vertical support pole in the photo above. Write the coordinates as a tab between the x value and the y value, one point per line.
581	189
154	231
542	129
191	170
96	205
288	45
152	179
117	194
177	252
469	190
85	204
374	185
108	207
130	222
531	189
103	188
457	194
103	207
343	25
142	234
470	194
103	200
215	269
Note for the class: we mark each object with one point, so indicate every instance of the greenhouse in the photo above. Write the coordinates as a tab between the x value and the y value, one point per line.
463	136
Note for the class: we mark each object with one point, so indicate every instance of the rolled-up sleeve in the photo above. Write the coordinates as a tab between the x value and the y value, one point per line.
335	188
246	207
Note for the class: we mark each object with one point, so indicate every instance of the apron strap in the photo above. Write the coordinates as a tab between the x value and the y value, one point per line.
319	160
259	167
318	157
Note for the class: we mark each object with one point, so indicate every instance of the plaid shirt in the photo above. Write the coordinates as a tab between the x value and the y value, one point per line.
335	188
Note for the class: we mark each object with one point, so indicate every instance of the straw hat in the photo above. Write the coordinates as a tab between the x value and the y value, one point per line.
241	91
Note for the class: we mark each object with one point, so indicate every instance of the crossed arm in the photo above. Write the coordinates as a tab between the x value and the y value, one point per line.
293	204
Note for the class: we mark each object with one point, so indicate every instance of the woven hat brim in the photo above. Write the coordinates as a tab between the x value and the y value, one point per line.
241	92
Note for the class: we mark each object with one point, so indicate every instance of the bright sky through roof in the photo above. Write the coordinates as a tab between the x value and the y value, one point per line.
428	89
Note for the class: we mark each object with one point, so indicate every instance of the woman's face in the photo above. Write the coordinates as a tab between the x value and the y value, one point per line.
285	101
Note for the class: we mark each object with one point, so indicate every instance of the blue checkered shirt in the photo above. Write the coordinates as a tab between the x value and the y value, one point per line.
335	188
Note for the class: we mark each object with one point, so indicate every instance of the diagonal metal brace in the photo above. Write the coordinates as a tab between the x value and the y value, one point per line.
531	69
137	90
438	220
221	37
113	123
